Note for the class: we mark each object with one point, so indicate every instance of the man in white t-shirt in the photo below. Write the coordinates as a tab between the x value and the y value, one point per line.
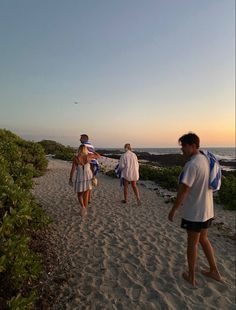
129	167
196	198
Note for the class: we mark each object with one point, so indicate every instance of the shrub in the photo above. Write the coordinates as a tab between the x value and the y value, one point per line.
165	177
19	214
168	178
227	193
58	150
111	173
65	155
51	147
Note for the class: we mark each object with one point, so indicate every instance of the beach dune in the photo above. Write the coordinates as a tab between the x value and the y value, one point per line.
126	256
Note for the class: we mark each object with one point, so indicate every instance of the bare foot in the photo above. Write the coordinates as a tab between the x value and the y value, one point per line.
83	211
139	202
214	274
187	278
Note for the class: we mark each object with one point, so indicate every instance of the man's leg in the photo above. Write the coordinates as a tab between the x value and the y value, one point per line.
126	183
209	252
192	250
136	190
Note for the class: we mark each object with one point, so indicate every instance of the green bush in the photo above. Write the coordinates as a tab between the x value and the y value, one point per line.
65	155
168	178
58	150
33	153
227	193
22	303
165	177
20	153
51	147
20	161
111	173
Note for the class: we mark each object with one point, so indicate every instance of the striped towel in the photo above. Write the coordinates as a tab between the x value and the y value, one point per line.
118	174
215	170
89	146
94	162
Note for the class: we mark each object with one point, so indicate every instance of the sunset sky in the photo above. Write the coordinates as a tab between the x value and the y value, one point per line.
143	72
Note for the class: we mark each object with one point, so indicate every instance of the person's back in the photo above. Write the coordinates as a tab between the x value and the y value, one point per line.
130	166
84	172
198	205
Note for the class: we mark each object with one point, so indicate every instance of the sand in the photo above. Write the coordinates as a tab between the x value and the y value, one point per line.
124	256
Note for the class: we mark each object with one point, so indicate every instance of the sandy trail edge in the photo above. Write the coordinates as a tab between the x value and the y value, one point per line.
127	256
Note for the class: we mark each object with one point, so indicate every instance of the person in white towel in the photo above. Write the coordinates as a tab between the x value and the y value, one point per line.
196	198
129	167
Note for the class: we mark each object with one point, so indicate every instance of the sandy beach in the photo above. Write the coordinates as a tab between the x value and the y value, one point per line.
126	256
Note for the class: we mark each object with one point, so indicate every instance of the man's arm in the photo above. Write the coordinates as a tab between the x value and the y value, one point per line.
182	194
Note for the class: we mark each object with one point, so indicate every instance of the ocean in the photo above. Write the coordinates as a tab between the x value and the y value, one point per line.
226	153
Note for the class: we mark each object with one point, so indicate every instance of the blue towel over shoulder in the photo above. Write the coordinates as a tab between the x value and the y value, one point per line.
215	171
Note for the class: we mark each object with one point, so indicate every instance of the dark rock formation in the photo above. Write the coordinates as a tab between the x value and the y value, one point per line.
165	160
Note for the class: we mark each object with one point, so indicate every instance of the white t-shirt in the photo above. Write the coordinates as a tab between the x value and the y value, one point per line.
198	205
129	166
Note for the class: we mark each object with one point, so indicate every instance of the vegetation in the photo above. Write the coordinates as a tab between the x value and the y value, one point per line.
20	161
168	178
58	150
227	192
165	177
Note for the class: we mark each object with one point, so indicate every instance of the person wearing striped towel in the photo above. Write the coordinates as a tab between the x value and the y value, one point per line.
195	195
84	139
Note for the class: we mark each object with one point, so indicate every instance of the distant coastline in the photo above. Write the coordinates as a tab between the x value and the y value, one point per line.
169	157
220	152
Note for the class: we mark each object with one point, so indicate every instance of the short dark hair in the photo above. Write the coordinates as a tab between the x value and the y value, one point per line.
84	136
190	138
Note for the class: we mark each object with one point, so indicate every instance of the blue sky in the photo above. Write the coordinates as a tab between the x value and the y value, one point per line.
143	72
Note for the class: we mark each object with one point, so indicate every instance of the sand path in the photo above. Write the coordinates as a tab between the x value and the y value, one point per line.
126	256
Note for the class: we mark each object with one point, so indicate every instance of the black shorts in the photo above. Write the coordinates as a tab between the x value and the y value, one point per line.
196	226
